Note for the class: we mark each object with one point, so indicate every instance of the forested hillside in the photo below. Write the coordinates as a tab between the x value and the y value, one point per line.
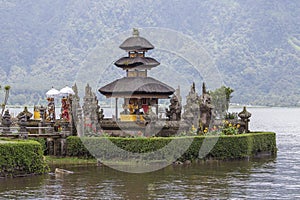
254	45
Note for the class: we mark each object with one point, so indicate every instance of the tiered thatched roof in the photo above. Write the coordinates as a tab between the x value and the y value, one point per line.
138	87
142	62
136	43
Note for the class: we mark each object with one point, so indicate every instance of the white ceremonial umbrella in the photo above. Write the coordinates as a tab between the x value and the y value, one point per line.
66	91
52	93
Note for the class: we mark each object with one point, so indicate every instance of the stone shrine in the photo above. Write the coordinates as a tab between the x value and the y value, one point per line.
91	111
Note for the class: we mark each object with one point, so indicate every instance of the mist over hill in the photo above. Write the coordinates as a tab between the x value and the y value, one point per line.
253	45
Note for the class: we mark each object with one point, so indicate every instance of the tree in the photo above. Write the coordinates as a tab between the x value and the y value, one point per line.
220	100
6	88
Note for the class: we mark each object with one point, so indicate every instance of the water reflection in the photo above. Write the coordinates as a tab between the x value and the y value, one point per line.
209	180
268	178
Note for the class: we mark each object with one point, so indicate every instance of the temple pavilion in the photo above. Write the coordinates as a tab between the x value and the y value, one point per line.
139	91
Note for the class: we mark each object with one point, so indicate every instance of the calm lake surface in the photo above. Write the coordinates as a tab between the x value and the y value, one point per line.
268	178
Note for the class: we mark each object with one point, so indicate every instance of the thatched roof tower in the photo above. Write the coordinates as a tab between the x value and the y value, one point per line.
137	88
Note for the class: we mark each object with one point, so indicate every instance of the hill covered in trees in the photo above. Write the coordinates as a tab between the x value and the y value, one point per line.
254	46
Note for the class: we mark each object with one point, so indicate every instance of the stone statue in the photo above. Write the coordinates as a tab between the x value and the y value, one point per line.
174	111
192	108
91	111
198	109
205	109
6	122
244	115
101	114
25	114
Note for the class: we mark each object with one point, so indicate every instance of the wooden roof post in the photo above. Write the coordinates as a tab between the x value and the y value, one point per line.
117	109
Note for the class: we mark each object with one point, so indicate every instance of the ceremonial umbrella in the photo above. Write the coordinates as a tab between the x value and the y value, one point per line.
66	91
52	93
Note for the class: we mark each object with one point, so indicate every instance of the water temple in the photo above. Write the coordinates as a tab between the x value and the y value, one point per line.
138	90
140	110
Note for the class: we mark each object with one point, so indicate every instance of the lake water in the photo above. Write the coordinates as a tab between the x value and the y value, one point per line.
268	178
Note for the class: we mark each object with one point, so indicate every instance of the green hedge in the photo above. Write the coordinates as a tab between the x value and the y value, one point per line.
42	141
21	157
223	147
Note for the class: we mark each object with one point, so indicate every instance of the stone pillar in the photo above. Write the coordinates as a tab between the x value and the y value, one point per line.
23	130
50	128
79	124
65	128
57	147
75	106
42	114
63	147
50	146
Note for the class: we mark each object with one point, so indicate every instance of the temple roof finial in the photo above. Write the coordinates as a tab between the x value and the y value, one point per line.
135	32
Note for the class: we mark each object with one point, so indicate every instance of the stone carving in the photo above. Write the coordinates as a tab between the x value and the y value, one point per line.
23	133
6	122
23	117
42	110
198	109
150	116
244	115
91	111
76	114
192	108
205	109
25	114
100	115
174	111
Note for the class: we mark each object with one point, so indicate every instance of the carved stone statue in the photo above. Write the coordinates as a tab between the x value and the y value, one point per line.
198	109
25	114
174	111
91	111
205	109
101	115
6	122
192	108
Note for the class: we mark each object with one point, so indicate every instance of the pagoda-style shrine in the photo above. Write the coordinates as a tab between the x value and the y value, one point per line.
140	92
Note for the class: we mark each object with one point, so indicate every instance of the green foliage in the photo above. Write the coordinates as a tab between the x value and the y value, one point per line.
221	99
230	130
20	157
54	160
226	147
75	147
6	88
253	44
42	141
